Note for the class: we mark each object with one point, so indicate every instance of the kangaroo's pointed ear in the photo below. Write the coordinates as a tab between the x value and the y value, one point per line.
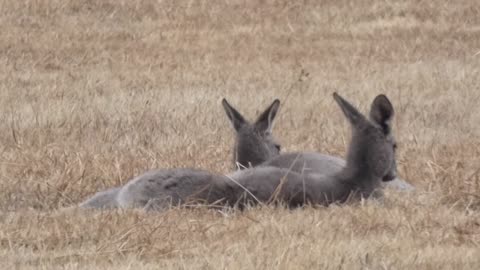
233	115
352	114
266	120
381	112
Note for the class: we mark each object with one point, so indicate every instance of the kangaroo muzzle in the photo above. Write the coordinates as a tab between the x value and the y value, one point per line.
391	175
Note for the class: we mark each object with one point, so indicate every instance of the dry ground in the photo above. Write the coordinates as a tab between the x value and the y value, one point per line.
95	92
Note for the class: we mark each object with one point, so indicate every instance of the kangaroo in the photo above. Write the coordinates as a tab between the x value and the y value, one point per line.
370	160
254	143
255	146
310	162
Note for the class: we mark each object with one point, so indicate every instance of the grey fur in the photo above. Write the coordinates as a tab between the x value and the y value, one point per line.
160	189
254	148
326	164
370	159
102	199
311	162
253	142
307	162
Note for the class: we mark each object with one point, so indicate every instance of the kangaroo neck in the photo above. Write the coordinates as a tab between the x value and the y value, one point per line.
356	173
357	169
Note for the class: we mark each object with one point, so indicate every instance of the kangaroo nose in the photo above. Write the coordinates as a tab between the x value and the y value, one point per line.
390	176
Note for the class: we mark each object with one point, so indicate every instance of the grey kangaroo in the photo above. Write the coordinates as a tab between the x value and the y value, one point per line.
254	144
370	160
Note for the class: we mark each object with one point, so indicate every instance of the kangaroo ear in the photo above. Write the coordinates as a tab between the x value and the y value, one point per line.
352	114
382	112
266	120
233	115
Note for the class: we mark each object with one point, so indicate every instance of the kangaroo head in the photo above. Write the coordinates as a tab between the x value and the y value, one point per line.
254	143
372	148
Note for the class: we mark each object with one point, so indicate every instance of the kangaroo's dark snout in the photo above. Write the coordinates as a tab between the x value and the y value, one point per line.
390	176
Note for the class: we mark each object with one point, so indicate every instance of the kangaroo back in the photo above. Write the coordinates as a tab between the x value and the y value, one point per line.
307	162
160	189
104	199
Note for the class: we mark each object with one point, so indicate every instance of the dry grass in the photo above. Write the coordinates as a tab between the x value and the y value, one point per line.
94	92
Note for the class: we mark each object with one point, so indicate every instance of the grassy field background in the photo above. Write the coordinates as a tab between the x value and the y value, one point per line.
95	92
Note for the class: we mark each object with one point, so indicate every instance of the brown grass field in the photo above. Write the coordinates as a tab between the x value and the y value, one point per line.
93	93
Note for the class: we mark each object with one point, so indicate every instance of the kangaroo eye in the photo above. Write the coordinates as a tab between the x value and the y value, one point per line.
395	146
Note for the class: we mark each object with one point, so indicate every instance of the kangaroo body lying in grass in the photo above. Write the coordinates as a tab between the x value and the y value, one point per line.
370	160
254	144
311	162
